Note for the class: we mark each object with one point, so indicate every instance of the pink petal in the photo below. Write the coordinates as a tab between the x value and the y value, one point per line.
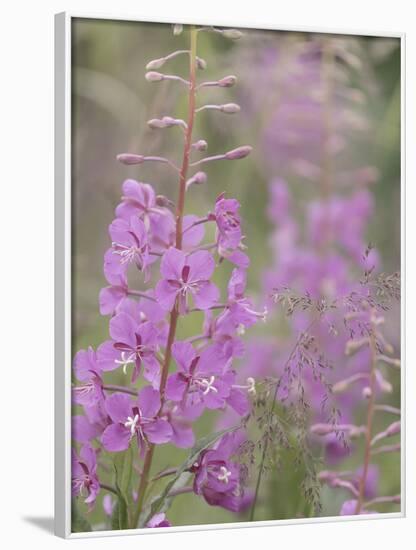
206	296
166	294
116	438
119	407
172	264
149	401
159	431
123	329
184	354
201	265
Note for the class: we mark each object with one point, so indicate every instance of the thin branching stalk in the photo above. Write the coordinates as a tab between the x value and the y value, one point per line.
270	418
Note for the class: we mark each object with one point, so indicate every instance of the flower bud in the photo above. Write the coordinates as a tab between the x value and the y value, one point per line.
155	64
239	153
197	179
393	429
384	385
232	34
153	76
156	123
169	121
322	429
227	81
230	108
367	393
130	158
352	346
200	145
177	29
201	63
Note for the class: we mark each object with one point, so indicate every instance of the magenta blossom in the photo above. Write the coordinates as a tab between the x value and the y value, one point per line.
84	474
200	378
138	200
229	235
88	371
228	222
239	312
218	478
133	344
159	520
186	275
129	247
135	418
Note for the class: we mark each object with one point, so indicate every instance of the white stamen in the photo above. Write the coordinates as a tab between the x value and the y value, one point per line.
251	383
250	387
208	385
125	360
132	423
225	474
128	254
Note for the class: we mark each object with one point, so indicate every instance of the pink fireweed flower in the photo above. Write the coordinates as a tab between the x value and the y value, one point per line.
132	344
111	296
139	199
218	478
135	419
158	520
229	235
239	312
84	478
129	247
186	275
87	371
200	378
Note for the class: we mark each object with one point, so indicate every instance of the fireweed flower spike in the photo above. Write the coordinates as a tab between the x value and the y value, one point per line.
152	234
304	134
84	475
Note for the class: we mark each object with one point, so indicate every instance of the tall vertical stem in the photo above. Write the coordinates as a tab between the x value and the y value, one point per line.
144	479
188	138
327	84
369	425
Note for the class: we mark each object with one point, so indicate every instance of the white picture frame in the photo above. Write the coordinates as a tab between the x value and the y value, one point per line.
63	223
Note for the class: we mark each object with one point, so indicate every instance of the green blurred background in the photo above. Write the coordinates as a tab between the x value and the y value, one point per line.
111	102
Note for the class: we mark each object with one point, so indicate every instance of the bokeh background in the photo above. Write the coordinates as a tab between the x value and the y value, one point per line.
111	102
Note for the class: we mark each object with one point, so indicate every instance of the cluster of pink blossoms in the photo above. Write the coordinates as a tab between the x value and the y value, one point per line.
147	238
319	247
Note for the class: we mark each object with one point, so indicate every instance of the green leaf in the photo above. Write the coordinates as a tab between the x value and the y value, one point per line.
78	523
123	463
201	445
120	517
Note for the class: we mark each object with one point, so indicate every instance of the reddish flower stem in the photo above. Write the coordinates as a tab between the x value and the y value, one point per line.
144	480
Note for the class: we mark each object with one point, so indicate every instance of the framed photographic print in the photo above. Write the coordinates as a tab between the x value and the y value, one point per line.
228	269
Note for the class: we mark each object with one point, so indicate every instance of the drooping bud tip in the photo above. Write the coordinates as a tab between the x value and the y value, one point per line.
232	34
153	76
130	158
227	81
155	64
230	108
239	153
